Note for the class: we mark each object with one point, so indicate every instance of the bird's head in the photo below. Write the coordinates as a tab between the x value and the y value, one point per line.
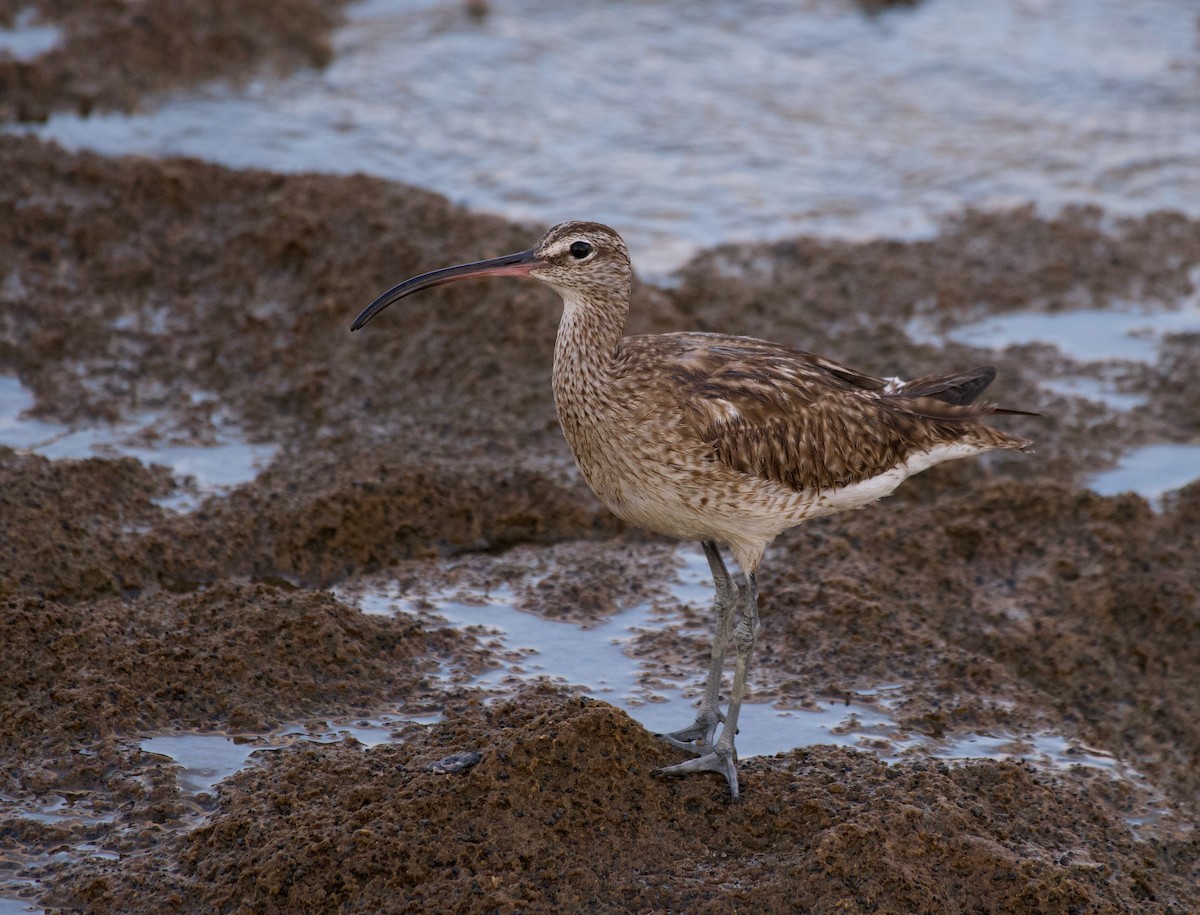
578	259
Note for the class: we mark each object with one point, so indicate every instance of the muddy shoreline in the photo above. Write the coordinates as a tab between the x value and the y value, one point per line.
111	57
191	301
1002	596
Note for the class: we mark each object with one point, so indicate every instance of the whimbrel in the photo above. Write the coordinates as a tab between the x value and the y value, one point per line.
725	440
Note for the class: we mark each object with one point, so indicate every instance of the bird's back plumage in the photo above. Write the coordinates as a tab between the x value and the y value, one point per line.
800	420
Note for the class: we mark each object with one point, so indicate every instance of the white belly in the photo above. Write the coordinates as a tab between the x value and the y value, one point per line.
711	502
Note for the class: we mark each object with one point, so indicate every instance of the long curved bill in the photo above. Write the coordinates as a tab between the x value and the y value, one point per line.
510	265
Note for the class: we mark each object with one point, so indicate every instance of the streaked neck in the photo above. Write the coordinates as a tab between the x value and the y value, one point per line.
586	346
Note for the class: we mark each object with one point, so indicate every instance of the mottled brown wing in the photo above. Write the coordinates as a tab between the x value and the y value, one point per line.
801	420
960	388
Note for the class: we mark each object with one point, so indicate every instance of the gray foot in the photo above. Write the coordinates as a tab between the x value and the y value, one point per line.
697	736
719	760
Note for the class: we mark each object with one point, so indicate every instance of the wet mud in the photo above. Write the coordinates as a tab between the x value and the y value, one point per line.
1000	596
112	55
558	815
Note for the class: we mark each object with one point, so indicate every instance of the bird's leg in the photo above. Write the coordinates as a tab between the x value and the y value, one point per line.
723	757
700	732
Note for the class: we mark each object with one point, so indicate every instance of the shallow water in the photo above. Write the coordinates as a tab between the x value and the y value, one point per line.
205	760
209	758
1095	390
28	38
203	469
1151	471
686	125
10	905
1086	335
595	657
1125	334
1126	331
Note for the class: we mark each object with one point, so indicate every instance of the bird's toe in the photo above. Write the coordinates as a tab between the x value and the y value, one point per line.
718	760
697	736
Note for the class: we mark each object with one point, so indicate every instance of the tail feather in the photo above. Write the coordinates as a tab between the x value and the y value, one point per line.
1008	411
961	388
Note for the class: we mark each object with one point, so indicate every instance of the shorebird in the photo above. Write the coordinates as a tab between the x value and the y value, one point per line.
725	440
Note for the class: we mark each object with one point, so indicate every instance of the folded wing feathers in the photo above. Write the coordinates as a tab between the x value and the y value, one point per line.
809	423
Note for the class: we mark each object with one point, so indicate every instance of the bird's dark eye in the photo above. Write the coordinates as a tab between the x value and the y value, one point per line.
580	249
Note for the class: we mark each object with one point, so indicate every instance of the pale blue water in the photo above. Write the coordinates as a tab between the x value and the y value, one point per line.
595	657
687	124
1151	471
1085	335
228	461
28	38
209	758
1123	334
10	905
